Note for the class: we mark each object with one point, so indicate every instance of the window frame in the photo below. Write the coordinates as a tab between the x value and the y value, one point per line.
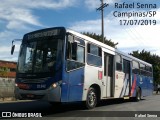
99	55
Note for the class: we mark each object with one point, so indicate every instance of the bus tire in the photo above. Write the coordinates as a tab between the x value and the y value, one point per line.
138	94
91	100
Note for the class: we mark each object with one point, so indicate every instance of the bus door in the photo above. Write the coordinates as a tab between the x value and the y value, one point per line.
119	77
108	72
127	78
122	77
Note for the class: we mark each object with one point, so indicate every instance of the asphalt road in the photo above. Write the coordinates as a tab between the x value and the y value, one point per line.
147	108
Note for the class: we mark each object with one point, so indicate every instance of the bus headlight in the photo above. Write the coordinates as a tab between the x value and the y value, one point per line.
54	85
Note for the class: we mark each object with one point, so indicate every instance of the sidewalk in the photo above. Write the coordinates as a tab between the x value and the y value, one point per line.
154	93
8	99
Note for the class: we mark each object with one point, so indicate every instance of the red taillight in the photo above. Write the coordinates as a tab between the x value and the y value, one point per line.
100	75
23	86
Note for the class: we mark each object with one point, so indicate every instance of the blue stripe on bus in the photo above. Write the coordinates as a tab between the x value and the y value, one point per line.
144	82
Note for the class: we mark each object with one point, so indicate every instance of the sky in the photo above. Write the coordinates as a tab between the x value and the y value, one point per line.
18	17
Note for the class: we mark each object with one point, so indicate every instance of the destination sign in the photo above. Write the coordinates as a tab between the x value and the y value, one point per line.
41	34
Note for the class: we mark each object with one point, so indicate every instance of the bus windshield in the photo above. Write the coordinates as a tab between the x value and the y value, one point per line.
40	56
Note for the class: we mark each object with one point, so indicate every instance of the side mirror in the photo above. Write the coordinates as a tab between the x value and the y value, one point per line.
13	46
12	49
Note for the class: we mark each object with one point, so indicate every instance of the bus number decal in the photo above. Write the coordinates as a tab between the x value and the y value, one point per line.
41	86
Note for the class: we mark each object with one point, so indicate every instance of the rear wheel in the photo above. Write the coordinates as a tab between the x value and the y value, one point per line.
91	100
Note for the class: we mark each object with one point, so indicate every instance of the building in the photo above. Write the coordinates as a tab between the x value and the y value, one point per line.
7	78
7	69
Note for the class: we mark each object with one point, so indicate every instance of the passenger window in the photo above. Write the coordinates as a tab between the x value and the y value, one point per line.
93	49
135	67
80	54
142	66
126	66
142	69
94	55
118	63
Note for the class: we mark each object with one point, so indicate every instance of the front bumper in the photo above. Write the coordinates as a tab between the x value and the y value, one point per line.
51	94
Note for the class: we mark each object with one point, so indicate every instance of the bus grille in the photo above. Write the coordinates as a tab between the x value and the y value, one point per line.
37	80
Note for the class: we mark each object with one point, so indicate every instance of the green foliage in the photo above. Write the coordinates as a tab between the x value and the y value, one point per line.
3	71
152	59
99	38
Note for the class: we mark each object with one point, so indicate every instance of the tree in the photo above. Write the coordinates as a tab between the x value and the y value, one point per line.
4	71
99	38
152	59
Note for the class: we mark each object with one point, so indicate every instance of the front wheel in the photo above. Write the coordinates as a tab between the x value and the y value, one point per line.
91	100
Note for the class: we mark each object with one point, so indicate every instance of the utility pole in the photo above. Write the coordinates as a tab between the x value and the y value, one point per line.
103	5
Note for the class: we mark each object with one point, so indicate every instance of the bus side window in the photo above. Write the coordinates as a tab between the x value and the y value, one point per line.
80	54
142	69
126	66
135	67
75	53
94	55
149	71
118	63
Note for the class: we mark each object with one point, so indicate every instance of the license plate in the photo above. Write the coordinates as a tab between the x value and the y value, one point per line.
30	96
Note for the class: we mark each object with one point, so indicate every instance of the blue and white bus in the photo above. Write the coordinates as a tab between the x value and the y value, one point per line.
61	65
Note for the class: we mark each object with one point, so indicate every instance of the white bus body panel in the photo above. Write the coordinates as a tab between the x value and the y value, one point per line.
119	80
90	78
